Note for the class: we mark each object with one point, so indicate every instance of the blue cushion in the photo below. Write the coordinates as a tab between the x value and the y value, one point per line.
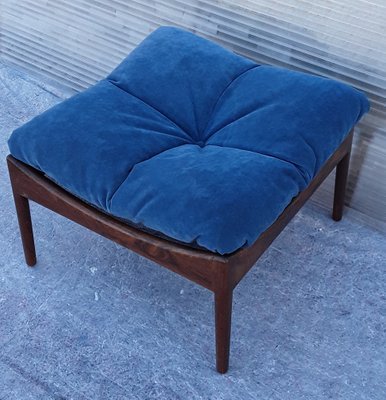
192	141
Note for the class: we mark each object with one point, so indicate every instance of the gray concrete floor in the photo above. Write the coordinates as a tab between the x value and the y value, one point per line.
95	321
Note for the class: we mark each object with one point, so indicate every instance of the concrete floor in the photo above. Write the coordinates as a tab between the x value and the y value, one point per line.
95	321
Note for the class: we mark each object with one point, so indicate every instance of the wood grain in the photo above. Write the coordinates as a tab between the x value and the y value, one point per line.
215	272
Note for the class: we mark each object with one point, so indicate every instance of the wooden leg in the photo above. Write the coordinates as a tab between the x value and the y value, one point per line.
340	187
25	225
223	313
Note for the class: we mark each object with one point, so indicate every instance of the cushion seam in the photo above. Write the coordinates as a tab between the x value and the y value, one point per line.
212	112
306	180
236	120
152	107
110	199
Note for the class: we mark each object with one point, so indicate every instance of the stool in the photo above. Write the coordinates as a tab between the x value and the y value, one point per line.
191	156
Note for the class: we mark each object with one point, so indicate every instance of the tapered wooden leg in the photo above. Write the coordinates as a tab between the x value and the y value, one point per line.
223	314
340	187
25	225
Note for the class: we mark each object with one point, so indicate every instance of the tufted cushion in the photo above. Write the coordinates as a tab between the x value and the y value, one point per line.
192	141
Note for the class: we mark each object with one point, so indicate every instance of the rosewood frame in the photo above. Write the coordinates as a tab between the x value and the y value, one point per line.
220	274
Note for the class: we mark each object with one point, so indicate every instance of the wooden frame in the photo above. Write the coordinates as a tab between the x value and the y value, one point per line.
220	274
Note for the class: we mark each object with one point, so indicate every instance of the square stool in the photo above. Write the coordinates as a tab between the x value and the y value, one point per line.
189	155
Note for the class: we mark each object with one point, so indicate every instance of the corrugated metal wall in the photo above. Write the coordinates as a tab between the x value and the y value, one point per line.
76	42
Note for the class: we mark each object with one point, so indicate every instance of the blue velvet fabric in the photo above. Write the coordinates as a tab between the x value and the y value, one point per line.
191	140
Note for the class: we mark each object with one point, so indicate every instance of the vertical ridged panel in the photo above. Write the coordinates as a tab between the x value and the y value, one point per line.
74	43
